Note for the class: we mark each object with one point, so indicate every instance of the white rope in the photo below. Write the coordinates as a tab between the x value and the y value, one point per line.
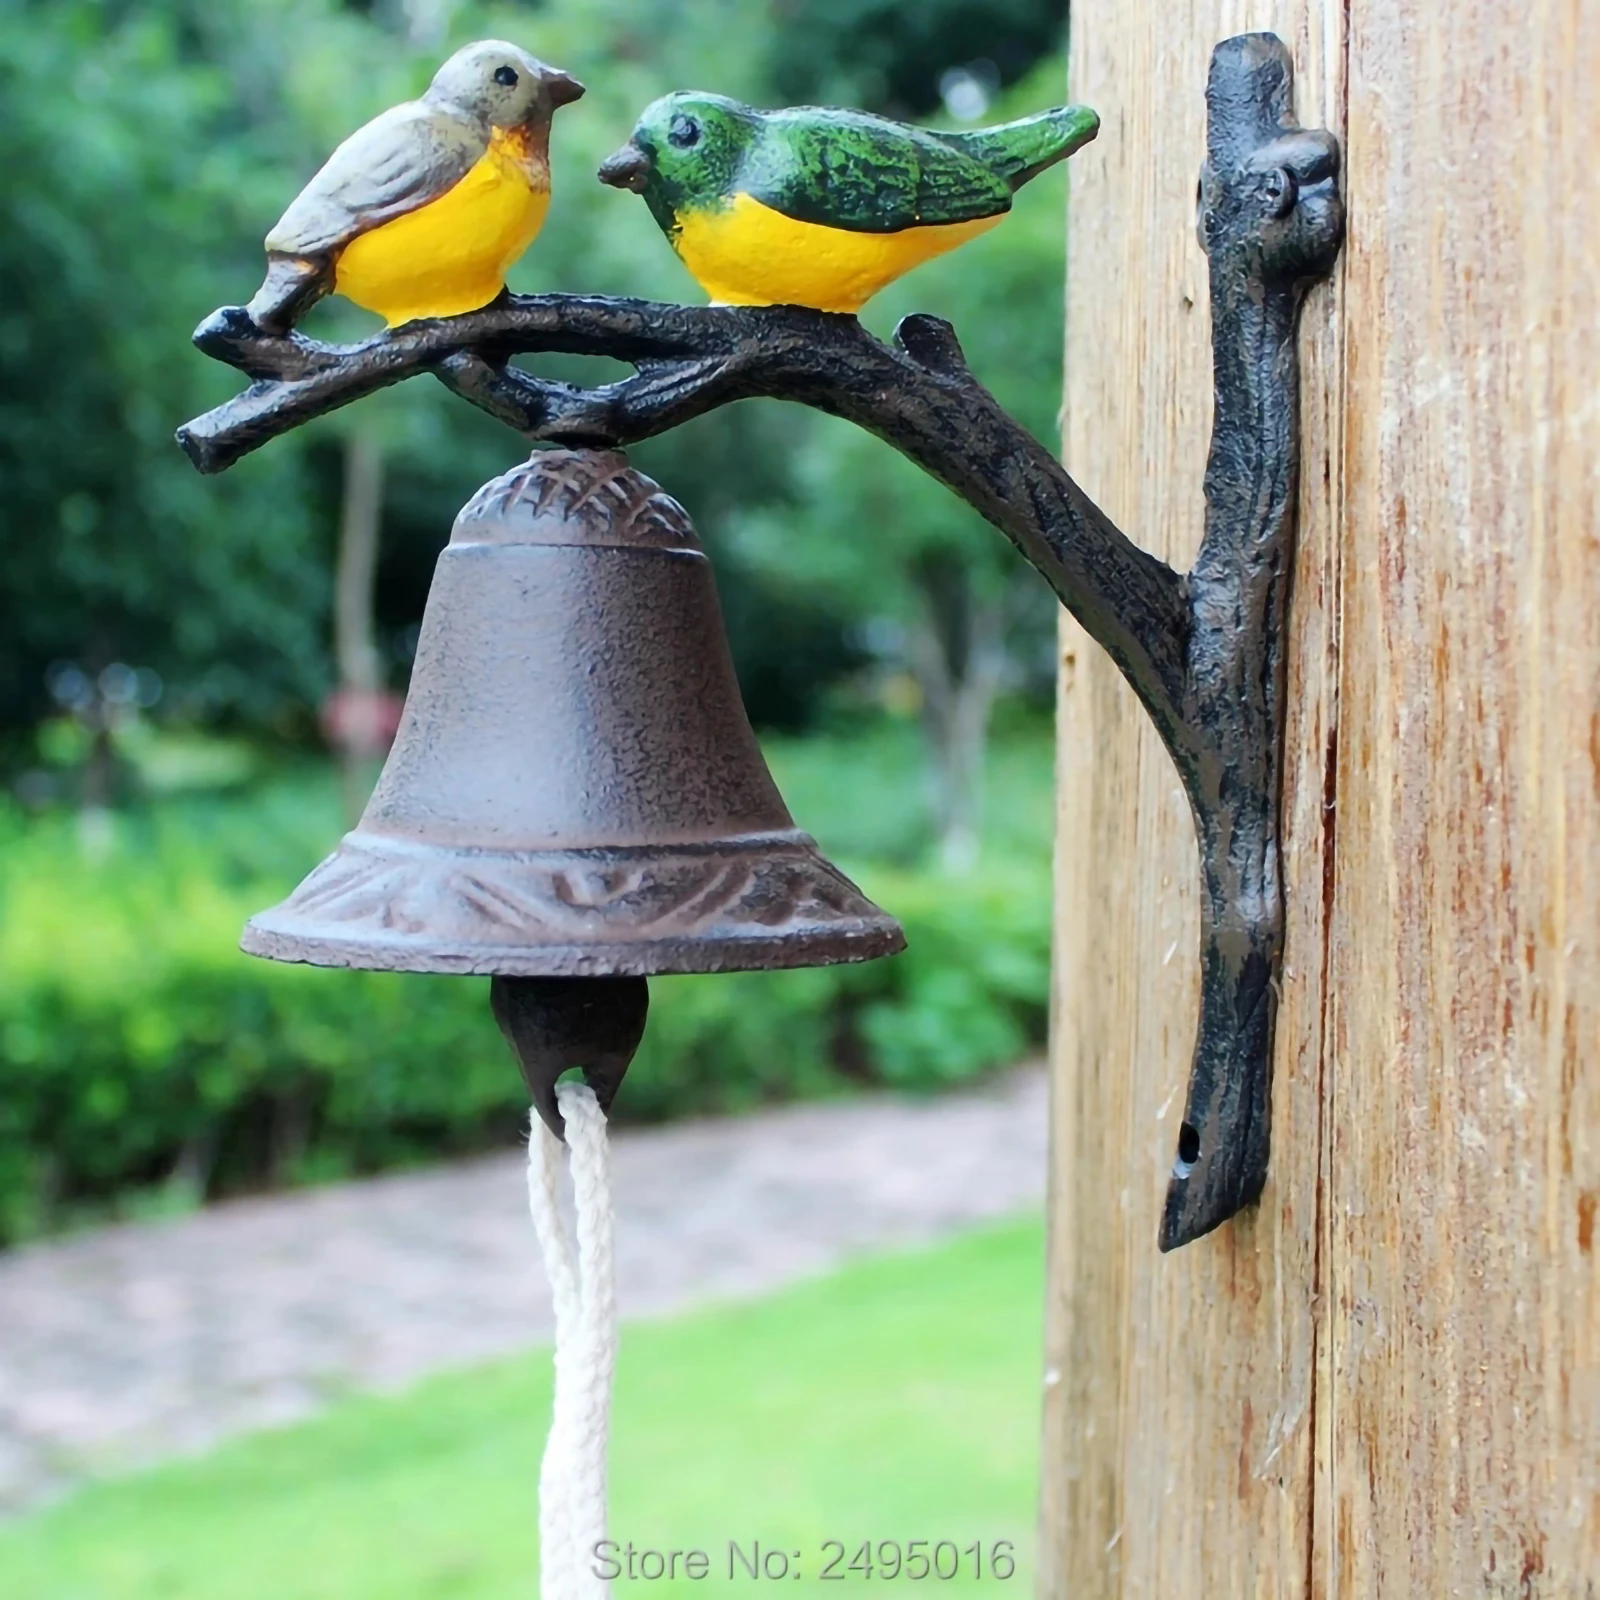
572	1477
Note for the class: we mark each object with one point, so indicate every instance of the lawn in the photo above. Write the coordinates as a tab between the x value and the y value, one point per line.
896	1400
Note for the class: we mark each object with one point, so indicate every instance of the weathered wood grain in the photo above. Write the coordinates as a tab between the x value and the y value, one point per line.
1178	1438
1464	984
1384	1381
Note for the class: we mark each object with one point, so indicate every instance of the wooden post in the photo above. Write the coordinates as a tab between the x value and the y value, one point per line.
1385	1380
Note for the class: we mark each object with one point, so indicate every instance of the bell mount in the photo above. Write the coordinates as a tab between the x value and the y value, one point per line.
1204	651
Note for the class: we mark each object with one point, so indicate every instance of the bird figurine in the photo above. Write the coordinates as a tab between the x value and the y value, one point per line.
421	212
821	207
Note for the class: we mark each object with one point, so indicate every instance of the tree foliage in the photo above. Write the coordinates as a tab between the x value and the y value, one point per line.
148	146
124	211
890	56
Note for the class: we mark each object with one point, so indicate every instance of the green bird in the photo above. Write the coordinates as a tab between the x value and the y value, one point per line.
817	206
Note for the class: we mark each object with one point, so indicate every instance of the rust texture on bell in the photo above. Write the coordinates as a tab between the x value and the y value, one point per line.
575	791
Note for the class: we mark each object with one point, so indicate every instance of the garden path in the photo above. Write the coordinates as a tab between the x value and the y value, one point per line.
136	1342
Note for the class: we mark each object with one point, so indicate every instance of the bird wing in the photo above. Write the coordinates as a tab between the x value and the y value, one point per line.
845	169
399	161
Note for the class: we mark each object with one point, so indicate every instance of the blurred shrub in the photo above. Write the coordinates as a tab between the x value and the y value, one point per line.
139	1051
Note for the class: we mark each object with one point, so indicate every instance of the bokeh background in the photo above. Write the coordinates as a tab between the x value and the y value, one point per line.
182	659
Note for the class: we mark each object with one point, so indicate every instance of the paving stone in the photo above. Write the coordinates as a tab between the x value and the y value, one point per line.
134	1343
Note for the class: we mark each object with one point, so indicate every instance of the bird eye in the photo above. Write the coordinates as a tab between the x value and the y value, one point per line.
507	76
684	132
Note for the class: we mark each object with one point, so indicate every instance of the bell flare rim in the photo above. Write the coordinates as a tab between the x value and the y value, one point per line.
747	902
835	946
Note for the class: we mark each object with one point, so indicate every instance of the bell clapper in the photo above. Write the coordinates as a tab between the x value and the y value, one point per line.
554	1025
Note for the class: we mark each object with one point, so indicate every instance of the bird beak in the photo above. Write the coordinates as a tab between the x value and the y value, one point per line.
627	169
562	89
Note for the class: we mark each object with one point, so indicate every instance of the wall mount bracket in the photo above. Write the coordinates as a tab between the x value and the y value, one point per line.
1204	652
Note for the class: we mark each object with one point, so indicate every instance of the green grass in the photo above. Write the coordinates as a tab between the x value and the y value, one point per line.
895	1400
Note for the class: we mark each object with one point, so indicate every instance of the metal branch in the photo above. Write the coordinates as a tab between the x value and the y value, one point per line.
1271	221
916	394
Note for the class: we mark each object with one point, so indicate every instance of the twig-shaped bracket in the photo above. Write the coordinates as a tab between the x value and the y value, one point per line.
1204	653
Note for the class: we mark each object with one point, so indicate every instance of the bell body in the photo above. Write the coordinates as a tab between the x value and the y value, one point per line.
574	789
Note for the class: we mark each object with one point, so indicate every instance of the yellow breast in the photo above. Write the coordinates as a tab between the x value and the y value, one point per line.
747	254
452	254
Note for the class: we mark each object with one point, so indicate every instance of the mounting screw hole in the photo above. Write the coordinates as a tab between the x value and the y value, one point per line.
1188	1150
1283	190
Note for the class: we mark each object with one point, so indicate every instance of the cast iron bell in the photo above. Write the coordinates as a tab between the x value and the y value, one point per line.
575	799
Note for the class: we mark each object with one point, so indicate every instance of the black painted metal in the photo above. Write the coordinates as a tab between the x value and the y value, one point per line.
1271	221
1204	653
557	1025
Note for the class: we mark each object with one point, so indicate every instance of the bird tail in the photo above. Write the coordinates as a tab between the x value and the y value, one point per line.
1021	150
293	285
